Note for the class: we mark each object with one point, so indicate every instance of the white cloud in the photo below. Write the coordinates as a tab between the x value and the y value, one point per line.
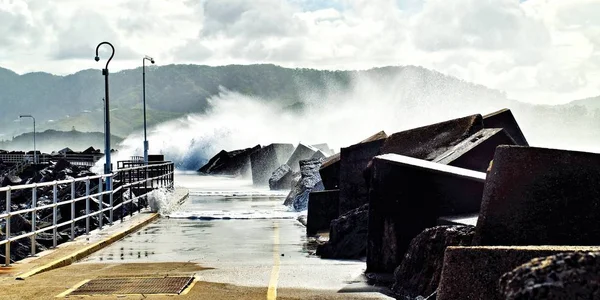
545	51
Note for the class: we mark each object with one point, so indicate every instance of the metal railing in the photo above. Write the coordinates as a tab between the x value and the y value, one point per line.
131	184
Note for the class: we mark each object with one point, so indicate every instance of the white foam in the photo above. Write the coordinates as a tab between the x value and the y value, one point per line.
236	215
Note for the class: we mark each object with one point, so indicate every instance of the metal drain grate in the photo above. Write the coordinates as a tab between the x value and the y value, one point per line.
134	285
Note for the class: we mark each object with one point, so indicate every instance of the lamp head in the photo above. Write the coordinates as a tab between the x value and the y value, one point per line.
97	58
152	61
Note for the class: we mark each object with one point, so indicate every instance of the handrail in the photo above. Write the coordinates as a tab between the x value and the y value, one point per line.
142	180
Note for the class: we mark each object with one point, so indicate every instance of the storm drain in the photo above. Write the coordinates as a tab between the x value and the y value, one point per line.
134	285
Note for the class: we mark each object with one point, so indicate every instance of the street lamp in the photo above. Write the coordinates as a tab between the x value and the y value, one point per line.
107	165
144	100
34	150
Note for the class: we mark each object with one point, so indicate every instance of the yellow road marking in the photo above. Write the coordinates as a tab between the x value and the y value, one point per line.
67	292
272	291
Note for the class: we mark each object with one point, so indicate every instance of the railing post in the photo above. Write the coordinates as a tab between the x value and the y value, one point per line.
87	205
110	217
7	227
33	217
130	194
100	204
54	214
73	196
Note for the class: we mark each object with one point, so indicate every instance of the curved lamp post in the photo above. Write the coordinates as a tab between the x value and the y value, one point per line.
107	165
144	100
34	150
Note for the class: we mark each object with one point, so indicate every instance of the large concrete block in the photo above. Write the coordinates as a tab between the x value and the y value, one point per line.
407	196
266	160
235	162
473	273
429	142
330	169
324	148
322	209
536	196
354	160
505	119
476	151
302	152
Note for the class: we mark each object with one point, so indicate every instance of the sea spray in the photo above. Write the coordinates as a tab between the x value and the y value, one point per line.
161	201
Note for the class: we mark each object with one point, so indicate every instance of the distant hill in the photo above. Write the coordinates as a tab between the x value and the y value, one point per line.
592	103
52	140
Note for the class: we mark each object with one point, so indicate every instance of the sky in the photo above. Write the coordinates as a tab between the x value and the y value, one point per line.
538	51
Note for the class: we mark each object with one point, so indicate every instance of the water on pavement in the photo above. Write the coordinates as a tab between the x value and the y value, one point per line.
240	231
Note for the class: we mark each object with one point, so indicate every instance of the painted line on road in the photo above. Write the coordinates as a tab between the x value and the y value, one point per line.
272	291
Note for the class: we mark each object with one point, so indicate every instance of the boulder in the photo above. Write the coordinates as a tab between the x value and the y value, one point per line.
505	119
301	152
61	165
234	163
562	276
421	269
322	209
348	235
11	180
266	160
407	196
537	196
309	181
281	178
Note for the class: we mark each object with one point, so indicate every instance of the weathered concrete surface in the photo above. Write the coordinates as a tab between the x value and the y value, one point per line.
347	235
310	181
266	160
476	151
354	160
421	269
324	148
323	207
536	196
561	276
407	196
429	142
330	169
473	273
301	152
235	162
282	178
505	119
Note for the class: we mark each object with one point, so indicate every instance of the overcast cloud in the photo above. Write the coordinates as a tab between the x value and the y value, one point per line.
541	51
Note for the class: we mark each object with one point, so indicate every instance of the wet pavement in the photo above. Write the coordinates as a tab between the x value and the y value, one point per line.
244	234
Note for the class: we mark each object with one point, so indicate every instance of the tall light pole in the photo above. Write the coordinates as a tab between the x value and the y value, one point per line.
34	150
144	100
107	165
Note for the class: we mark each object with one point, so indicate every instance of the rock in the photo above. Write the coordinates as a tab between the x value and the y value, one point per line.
60	165
234	163
19	249
266	160
319	155
310	180
505	119
421	269
562	276
281	178
348	236
407	196
18	224
302	152
323	207
537	196
11	180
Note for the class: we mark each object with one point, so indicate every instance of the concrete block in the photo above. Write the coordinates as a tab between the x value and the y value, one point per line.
235	162
330	169
473	273
464	219
353	186
505	119
407	196
429	142
537	196
476	151
281	179
301	152
266	160
324	148
322	209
